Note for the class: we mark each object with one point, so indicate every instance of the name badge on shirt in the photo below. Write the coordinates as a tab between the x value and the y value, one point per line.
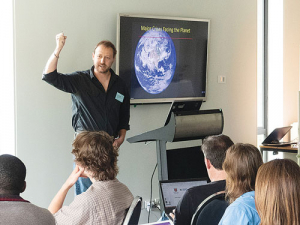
119	97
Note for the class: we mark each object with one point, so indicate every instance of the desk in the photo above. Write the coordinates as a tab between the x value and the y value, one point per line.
275	150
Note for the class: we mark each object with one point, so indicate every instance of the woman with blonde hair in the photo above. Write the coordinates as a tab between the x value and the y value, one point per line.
241	165
277	195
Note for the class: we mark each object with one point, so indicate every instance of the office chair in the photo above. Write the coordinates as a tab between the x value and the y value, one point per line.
210	210
133	214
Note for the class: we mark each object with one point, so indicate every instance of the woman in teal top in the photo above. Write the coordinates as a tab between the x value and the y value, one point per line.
242	211
241	165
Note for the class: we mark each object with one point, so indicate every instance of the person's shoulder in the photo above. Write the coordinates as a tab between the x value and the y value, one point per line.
40	209
82	73
112	183
41	213
198	188
117	77
246	201
217	183
109	188
116	181
34	214
249	194
246	197
107	184
197	192
82	77
240	213
212	186
119	186
236	208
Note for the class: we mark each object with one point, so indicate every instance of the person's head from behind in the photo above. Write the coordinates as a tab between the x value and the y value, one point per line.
214	149
241	164
12	175
94	151
277	192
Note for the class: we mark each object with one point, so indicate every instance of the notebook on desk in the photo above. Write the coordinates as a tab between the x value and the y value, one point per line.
276	135
173	190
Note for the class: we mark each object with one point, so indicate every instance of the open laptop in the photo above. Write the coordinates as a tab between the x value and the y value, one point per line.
173	190
166	222
276	135
178	107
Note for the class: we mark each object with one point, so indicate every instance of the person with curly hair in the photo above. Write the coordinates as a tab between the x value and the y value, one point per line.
277	195
107	199
241	165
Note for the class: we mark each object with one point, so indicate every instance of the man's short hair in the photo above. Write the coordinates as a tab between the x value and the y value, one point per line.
12	174
214	149
95	152
107	44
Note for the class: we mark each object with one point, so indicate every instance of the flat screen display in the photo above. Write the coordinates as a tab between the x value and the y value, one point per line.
163	59
186	163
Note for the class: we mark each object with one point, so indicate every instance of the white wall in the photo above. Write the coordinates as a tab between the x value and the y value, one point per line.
291	51
44	132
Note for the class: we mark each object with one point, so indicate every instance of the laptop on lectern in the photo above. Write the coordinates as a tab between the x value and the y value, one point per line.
276	135
183	107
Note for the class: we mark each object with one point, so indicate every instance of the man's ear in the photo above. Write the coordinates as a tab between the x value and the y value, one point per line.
24	187
207	163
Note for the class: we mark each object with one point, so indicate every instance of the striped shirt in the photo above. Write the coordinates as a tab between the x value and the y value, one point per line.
105	202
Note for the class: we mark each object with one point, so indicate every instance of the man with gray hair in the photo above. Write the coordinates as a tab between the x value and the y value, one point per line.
14	209
214	150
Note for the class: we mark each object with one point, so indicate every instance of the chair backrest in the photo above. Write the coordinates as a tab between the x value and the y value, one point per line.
210	210
133	214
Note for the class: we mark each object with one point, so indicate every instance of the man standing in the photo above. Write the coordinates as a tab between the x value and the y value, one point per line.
100	98
13	208
214	150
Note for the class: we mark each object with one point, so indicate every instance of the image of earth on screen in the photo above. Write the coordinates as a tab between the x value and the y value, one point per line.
163	58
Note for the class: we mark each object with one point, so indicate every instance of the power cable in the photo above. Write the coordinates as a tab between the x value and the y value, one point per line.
151	193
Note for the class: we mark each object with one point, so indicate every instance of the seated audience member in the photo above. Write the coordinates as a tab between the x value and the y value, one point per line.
106	200
277	192
241	164
14	209
214	150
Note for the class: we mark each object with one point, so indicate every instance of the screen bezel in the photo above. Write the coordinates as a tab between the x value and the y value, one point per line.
163	100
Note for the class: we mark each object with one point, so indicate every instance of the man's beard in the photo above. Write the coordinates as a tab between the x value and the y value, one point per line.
102	70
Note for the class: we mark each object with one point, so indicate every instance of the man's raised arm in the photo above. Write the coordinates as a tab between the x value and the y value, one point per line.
52	61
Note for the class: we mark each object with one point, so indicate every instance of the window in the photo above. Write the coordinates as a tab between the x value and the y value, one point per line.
275	64
261	79
269	67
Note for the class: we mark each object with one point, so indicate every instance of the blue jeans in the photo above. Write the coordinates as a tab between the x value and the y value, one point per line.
82	184
163	217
